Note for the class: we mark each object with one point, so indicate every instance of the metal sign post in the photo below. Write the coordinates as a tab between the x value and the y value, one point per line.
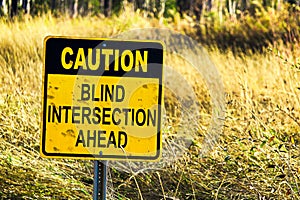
100	180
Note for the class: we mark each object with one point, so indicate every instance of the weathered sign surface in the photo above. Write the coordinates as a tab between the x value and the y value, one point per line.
102	99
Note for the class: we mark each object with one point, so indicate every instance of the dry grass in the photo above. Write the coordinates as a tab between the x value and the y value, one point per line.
257	156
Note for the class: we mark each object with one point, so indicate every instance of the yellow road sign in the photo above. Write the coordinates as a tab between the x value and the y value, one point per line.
102	99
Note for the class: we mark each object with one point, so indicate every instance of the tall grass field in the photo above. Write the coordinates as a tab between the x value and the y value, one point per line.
257	155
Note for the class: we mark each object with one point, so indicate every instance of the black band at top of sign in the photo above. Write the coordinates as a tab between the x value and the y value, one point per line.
55	46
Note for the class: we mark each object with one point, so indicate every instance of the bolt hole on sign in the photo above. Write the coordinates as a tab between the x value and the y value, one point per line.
102	99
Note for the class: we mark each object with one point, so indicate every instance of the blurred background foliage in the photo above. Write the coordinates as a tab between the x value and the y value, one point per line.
247	25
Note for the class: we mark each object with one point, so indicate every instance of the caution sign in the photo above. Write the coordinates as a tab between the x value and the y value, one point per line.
102	99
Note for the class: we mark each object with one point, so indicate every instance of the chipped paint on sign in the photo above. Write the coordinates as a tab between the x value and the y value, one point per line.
111	111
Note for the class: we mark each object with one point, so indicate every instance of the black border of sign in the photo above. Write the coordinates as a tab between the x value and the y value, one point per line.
98	156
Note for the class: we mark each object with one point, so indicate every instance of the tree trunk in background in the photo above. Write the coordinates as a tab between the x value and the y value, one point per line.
139	4
209	5
14	8
85	7
53	5
70	5
75	8
184	6
65	6
7	3
146	5
125	2
244	5
24	5
162	9
107	7
1	8
101	6
268	3
191	8
80	7
179	6
29	6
